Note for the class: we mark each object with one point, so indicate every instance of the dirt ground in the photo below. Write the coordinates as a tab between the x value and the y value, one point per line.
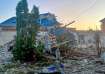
84	65
83	62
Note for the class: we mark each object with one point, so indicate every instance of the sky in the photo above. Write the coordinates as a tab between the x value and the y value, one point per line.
90	12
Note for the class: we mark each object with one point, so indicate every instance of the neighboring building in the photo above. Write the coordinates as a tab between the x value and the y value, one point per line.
6	37
103	24
46	20
87	38
7	30
8	27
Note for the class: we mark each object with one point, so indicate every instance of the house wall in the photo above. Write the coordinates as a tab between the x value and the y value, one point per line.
103	27
8	28
6	36
87	39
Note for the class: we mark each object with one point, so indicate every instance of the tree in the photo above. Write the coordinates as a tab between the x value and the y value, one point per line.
33	27
26	27
35	12
21	18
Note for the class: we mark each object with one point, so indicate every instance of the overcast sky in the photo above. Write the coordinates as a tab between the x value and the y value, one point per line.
90	11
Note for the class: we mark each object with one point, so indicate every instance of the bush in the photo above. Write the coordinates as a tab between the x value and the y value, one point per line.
25	53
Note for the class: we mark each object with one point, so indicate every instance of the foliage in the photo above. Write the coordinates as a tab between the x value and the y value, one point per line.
66	48
67	36
39	49
27	26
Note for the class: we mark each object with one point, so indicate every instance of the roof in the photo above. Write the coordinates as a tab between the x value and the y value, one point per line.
47	21
103	20
45	14
9	22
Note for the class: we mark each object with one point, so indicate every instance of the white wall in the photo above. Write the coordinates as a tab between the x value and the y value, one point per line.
89	39
6	36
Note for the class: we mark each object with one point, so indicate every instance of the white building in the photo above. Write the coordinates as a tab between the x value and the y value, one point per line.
87	38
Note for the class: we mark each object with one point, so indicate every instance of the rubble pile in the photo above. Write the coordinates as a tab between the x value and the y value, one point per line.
85	66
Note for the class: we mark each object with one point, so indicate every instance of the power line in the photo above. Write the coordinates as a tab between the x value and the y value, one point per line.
84	11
